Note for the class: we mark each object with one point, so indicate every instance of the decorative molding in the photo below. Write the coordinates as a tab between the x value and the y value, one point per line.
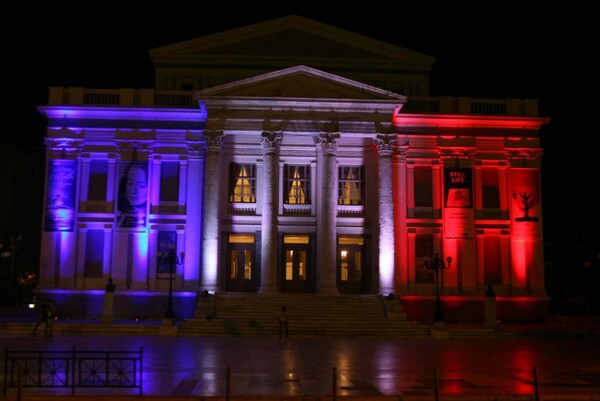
456	152
195	148
135	135
523	153
135	147
355	155
65	146
330	127
65	133
401	153
299	153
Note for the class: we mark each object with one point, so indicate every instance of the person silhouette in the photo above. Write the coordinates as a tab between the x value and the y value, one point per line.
283	320
46	314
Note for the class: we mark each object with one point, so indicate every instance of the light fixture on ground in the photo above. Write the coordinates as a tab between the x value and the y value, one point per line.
437	265
172	259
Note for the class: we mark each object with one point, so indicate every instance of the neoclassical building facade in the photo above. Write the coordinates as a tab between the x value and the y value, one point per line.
291	156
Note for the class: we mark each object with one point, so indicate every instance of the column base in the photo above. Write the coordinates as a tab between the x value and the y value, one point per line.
268	289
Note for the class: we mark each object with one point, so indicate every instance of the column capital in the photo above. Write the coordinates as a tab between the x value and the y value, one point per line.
385	143
213	139
270	141
328	141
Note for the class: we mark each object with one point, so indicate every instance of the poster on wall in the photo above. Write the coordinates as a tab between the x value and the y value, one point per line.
458	188
60	196
525	202
458	203
167	240
133	195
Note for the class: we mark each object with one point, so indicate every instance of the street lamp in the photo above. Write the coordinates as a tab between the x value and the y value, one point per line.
172	259
436	265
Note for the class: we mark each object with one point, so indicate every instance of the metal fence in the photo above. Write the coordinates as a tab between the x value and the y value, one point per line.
73	369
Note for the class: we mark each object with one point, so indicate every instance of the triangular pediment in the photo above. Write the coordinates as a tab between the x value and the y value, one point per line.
295	37
300	82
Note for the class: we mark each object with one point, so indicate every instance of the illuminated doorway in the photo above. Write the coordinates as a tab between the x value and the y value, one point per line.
241	264
352	276
295	272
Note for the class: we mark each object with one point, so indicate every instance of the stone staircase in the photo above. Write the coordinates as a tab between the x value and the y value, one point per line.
311	315
83	327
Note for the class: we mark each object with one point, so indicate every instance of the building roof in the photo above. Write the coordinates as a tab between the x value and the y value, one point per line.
291	36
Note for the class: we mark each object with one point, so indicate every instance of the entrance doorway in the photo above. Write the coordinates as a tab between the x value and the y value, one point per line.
241	270
295	269
351	275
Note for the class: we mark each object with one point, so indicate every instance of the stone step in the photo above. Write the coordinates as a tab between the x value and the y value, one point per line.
243	314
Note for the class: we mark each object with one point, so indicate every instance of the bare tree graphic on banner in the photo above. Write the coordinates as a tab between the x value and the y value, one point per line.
527	202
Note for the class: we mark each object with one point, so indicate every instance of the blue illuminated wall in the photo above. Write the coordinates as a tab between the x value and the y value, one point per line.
60	195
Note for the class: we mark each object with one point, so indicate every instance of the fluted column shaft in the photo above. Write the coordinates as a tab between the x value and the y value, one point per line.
268	260
210	229
326	234
385	147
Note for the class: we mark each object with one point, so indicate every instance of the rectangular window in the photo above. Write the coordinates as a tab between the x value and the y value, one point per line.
423	187
423	249
94	254
98	180
167	240
169	181
296	181
490	191
242	183
351	185
491	261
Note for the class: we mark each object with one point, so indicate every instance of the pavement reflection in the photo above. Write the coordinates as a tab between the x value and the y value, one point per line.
183	367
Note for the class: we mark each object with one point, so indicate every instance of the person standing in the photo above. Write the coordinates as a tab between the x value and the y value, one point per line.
46	314
283	319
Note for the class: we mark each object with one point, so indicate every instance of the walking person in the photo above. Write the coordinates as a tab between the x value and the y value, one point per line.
46	312
283	319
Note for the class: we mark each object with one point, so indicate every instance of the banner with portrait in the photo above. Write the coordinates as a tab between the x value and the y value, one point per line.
132	204
459	216
60	195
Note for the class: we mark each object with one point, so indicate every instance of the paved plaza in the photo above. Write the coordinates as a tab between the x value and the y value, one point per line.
326	368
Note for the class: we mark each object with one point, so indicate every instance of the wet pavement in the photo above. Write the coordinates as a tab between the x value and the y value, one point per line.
326	368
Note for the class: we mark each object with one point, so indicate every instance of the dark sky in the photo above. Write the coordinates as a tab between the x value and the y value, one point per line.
492	49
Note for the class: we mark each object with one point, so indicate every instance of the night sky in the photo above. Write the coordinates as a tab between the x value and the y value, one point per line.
545	50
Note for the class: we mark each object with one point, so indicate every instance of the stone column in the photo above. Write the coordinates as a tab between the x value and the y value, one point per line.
402	278
268	254
191	188
210	230
385	147
326	233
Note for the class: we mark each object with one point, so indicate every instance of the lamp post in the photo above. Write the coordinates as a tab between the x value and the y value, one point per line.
172	259
436	265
